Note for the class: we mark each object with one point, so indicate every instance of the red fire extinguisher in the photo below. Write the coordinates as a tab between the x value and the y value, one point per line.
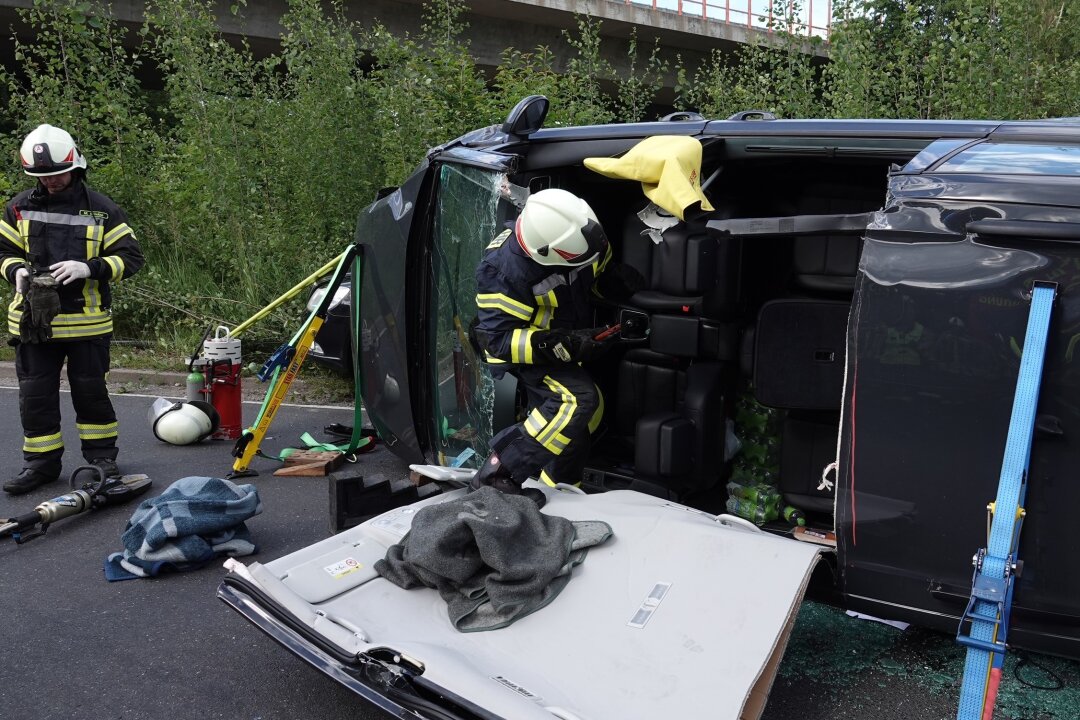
220	369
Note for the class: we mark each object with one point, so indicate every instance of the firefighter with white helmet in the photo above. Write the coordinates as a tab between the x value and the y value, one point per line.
534	320
61	245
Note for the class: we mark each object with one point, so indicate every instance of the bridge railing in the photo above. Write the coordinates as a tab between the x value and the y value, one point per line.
810	17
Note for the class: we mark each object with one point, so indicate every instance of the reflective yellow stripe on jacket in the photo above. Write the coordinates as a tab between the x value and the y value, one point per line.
65	325
504	303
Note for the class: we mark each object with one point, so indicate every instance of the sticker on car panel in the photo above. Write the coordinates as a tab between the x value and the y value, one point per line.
649	605
343	567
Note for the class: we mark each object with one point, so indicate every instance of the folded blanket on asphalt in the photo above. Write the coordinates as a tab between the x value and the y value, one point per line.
194	521
493	557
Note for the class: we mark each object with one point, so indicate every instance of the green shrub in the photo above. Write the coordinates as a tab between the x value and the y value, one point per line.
242	175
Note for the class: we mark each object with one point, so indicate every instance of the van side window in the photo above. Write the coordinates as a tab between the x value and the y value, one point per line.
1016	159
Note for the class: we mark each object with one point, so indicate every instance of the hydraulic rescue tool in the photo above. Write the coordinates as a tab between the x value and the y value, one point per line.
91	495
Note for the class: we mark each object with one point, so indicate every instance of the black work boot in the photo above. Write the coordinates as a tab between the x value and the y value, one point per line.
107	467
28	480
494	474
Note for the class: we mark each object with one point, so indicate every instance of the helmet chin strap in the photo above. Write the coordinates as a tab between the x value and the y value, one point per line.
595	237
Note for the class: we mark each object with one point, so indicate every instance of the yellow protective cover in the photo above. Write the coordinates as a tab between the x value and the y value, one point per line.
668	167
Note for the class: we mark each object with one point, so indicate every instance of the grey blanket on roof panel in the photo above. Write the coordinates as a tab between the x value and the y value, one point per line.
494	558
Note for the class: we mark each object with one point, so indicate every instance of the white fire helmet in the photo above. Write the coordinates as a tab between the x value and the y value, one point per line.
48	150
183	423
557	227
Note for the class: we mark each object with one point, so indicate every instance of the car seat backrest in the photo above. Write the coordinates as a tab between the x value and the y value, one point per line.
829	263
689	271
683	264
649	382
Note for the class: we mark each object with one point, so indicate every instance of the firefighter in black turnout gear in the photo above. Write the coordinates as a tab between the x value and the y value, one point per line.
61	244
533	289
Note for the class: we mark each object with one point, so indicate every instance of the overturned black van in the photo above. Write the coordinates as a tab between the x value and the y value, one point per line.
866	282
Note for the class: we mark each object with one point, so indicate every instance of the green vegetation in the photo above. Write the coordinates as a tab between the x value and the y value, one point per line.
243	174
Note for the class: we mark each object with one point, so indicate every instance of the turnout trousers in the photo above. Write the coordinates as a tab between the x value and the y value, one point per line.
37	365
552	442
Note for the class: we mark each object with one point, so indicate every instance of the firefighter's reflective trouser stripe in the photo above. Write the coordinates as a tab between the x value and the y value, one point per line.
552	442
38	366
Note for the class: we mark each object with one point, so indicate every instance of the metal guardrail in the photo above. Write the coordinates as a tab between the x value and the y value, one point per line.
812	18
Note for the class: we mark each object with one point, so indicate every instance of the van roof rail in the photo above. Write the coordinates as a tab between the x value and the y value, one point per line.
753	115
682	116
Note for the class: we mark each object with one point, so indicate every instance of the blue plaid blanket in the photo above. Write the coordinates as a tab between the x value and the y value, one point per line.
194	521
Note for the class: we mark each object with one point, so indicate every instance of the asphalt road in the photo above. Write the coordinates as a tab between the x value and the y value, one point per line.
76	647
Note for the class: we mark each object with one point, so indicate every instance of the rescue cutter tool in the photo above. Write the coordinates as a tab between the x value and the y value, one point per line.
89	496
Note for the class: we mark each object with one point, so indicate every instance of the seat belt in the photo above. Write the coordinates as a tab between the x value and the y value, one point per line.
996	564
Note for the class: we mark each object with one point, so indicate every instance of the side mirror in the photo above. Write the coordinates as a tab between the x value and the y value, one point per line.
527	116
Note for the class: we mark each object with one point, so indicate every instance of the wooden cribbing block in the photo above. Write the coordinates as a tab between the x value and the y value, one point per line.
311	463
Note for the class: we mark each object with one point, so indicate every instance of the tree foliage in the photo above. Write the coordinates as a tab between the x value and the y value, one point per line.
955	58
242	174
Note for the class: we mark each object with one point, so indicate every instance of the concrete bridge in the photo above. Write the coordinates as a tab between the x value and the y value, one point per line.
690	29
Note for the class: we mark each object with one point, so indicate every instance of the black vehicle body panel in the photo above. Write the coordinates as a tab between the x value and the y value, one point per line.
911	492
382	337
925	432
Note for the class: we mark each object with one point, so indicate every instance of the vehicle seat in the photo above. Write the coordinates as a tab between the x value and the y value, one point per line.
798	366
690	287
828	264
672	409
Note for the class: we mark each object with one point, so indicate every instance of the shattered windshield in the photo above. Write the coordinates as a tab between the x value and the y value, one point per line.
471	208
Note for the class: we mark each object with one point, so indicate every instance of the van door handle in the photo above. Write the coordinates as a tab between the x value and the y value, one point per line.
1035	229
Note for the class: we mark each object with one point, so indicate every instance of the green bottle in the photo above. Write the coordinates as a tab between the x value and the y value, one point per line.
194	389
794	516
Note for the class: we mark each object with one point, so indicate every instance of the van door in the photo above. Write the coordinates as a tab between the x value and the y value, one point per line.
413	296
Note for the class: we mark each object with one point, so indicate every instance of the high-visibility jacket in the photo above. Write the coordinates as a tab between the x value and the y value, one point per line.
517	297
39	229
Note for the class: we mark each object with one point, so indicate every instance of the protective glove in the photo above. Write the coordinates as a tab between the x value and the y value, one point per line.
69	271
22	280
587	347
570	345
40	306
552	346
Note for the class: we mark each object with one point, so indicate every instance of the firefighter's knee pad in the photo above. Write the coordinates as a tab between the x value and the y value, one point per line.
35	388
89	385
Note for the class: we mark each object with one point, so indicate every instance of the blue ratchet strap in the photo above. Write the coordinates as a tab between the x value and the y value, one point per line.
992	585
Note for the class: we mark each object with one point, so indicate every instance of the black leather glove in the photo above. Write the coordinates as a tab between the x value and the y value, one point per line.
587	347
41	305
552	346
570	345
